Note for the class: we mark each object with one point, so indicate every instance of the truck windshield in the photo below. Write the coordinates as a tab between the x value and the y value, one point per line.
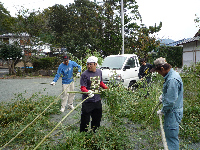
113	62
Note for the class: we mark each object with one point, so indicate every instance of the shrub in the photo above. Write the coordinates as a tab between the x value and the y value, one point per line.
47	63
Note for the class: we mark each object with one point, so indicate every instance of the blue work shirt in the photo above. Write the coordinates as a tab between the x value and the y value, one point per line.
172	97
67	72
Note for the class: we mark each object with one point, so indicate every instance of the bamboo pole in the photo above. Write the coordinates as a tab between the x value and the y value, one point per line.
82	92
32	121
59	124
163	133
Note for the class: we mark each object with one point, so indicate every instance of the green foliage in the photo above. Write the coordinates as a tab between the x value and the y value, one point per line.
138	108
104	138
47	63
173	55
83	61
5	21
15	115
10	52
191	118
127	116
141	42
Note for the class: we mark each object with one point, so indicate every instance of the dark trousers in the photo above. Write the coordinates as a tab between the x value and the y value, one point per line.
95	111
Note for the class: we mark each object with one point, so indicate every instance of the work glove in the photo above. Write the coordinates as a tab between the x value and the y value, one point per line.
53	83
159	112
78	75
160	98
90	93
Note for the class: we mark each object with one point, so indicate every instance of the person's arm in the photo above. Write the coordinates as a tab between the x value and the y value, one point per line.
103	85
83	83
57	76
171	95
76	65
140	73
84	89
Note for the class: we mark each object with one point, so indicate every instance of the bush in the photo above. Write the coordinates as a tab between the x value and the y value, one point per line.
47	63
173	55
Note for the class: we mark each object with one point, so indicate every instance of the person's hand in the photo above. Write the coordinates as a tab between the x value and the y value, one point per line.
159	112
90	93
53	83
78	75
160	98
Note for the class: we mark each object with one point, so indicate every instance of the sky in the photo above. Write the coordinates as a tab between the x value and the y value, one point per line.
177	16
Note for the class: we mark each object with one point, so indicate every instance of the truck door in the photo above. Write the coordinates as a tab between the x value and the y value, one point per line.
132	73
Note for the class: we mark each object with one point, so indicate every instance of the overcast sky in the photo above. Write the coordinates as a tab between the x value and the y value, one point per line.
177	16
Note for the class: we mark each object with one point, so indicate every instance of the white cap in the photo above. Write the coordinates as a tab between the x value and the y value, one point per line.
92	59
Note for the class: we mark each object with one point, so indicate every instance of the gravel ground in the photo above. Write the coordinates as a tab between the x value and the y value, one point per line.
30	85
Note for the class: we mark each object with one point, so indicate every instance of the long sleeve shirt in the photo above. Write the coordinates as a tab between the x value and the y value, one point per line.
172	97
66	71
92	81
144	71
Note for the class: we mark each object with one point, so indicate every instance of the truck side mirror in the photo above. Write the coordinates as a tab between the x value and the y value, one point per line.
126	67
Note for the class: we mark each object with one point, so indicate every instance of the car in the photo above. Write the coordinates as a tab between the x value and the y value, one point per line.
122	68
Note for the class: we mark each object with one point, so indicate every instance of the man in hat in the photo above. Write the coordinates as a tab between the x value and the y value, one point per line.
66	70
172	100
91	81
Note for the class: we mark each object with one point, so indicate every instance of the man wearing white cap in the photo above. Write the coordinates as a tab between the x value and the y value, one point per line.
172	100
91	81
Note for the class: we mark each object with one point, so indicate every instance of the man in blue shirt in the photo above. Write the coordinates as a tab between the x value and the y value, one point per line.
66	70
172	100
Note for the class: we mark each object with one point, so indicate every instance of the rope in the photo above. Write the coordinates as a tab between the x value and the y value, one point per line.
153	111
163	134
59	123
66	127
32	121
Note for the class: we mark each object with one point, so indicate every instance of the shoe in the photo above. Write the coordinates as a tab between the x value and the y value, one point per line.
71	106
62	109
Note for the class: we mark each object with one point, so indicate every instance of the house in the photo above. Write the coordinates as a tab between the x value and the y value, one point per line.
42	48
24	40
191	50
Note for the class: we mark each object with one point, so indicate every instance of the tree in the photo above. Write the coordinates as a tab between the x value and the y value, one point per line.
173	55
27	27
142	43
84	27
5	20
11	54
55	25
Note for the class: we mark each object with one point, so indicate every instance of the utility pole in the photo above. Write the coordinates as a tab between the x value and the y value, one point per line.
122	21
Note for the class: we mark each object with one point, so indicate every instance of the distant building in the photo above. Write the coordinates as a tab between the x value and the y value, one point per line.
24	40
42	48
191	50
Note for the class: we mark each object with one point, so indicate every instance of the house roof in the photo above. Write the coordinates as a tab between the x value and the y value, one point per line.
14	35
190	40
195	38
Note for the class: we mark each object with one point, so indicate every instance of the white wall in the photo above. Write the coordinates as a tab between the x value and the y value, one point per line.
191	53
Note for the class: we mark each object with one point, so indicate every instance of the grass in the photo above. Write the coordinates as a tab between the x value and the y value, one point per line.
124	123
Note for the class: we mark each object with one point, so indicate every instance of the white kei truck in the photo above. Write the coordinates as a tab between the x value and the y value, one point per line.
122	68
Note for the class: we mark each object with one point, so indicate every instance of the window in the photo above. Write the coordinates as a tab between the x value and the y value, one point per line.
131	62
113	62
